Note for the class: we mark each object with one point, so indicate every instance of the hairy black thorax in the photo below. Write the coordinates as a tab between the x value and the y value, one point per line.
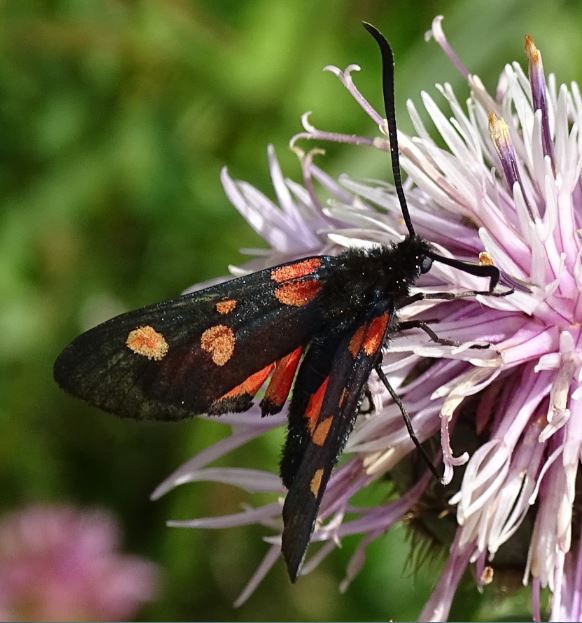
364	279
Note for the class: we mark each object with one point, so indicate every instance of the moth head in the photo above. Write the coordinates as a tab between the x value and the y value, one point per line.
414	256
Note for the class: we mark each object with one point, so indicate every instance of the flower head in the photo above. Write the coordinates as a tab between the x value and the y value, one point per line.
505	189
61	564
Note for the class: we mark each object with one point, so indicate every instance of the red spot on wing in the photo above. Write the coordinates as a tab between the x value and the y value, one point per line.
375	333
251	385
356	341
294	271
298	293
281	381
314	405
368	337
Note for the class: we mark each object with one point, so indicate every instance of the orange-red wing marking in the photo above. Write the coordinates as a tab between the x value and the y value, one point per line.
298	293
319	432
240	397
369	336
315	483
297	284
280	383
219	341
375	332
356	340
295	271
147	342
327	411
182	357
314	406
225	307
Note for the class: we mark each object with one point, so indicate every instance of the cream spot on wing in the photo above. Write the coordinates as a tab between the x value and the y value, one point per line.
225	307
147	342
219	341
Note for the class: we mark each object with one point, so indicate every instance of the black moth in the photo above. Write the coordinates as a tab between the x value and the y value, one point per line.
320	322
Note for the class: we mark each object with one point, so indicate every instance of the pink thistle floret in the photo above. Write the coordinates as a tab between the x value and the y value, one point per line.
506	189
61	564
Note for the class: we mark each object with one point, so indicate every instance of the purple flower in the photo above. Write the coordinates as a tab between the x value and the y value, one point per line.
504	189
61	564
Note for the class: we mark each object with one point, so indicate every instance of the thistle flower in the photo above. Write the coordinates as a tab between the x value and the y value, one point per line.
505	189
61	564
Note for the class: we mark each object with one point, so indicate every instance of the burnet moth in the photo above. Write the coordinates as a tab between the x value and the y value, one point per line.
317	324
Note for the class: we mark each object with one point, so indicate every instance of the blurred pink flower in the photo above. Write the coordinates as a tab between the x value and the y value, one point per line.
501	185
60	563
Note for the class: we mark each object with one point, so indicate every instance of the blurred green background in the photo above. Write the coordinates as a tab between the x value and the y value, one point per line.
116	118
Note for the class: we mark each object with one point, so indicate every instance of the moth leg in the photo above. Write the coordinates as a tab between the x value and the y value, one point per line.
450	296
407	421
423	325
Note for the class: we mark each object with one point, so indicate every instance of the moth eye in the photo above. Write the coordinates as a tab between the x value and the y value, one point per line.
425	264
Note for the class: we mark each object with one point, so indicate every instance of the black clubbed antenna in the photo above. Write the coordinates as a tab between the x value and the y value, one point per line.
388	91
491	272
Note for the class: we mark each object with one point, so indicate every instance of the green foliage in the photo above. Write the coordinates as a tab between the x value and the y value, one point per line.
117	116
